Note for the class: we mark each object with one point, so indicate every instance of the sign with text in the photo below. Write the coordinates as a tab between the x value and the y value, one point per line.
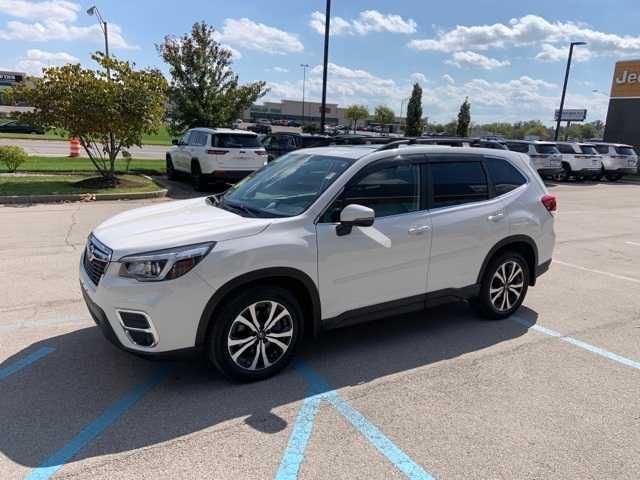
571	115
626	80
10	78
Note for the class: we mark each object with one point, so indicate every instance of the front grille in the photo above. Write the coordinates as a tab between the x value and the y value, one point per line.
95	259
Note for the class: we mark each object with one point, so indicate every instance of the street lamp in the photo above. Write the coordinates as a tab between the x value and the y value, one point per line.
304	83
402	108
564	88
327	23
103	25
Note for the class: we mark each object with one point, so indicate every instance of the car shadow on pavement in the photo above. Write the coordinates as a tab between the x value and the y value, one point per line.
181	189
47	404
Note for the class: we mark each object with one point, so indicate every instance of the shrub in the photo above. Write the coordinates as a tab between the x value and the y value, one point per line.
310	128
12	157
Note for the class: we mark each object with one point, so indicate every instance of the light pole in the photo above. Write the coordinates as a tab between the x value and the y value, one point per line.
105	30
564	88
327	23
402	108
304	83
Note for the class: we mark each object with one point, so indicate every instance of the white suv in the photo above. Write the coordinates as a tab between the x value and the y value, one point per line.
580	161
215	154
318	239
618	160
545	155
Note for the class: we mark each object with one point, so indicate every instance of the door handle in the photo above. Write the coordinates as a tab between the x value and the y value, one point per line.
419	230
496	217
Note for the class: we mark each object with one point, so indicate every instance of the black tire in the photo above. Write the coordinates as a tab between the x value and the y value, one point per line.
564	175
598	177
483	304
250	364
171	172
197	178
614	177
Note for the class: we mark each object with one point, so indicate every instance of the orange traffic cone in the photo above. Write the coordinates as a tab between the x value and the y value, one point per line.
74	147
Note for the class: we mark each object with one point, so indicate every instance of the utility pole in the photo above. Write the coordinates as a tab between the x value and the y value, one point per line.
564	88
304	82
327	26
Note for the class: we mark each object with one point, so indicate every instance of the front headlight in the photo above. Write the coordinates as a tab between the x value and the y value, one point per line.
165	264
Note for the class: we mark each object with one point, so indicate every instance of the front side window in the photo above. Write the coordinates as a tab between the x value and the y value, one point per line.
285	187
588	149
185	139
546	148
603	149
518	147
505	176
457	183
392	190
564	148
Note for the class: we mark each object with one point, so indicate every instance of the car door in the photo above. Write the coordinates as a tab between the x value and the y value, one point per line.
467	222
180	154
382	263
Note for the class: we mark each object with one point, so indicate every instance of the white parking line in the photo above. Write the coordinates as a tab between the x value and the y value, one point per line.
633	243
599	272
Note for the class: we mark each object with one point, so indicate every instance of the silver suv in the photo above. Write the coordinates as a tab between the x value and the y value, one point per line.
318	239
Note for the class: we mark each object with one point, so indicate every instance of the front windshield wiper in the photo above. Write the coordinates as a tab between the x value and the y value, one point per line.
238	207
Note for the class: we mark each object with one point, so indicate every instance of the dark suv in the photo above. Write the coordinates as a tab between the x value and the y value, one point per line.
281	143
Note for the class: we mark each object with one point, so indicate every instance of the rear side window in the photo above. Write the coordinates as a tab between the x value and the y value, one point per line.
564	148
518	147
588	149
224	140
505	176
546	148
603	149
625	151
198	139
457	183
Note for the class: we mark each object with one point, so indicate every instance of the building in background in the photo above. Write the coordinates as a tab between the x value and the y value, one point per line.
292	110
623	117
7	80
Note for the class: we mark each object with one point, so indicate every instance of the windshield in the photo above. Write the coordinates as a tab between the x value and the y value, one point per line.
287	186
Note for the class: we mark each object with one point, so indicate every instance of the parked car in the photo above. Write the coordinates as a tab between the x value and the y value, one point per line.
545	155
237	124
618	160
215	155
319	239
262	128
13	126
293	123
579	160
281	143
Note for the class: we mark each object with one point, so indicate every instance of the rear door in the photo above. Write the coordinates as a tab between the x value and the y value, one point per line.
466	221
181	153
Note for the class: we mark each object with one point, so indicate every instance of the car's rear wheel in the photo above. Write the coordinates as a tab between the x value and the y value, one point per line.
614	177
197	178
564	175
597	177
504	287
256	334
171	172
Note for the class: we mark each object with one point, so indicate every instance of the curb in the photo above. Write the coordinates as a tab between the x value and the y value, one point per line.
79	197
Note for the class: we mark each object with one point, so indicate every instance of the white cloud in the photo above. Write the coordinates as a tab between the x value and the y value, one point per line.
35	60
550	53
53	20
467	59
280	69
448	78
526	31
418	78
247	34
367	21
58	10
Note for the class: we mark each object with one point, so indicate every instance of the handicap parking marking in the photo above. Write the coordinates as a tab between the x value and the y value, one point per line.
56	461
321	391
25	362
579	343
599	272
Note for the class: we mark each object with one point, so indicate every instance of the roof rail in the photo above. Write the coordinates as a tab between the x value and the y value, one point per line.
396	144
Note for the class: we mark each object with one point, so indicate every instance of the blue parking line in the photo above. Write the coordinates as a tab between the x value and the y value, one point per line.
25	362
56	461
320	390
579	343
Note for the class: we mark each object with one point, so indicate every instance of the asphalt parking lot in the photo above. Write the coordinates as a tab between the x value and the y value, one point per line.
553	393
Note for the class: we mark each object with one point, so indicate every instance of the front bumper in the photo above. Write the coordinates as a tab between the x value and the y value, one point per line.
624	170
174	309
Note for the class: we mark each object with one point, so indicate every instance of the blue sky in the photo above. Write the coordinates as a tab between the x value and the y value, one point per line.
508	57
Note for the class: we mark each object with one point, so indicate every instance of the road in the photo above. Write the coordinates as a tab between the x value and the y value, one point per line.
56	148
552	393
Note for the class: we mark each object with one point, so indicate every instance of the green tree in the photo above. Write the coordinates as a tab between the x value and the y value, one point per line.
414	113
107	114
384	115
451	128
205	92
464	119
355	113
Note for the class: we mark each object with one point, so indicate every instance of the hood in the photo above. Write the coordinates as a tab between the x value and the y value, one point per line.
174	224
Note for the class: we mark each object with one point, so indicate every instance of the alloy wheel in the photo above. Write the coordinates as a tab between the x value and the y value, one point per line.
260	336
506	286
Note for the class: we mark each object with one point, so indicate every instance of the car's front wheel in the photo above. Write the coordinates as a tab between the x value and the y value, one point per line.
256	334
171	172
504	287
614	177
198	179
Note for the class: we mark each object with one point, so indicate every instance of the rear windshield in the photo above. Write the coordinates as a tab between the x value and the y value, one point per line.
228	140
546	148
564	148
625	151
518	147
588	149
603	149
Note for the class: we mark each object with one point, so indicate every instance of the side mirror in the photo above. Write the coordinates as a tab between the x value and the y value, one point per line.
175	141
354	216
